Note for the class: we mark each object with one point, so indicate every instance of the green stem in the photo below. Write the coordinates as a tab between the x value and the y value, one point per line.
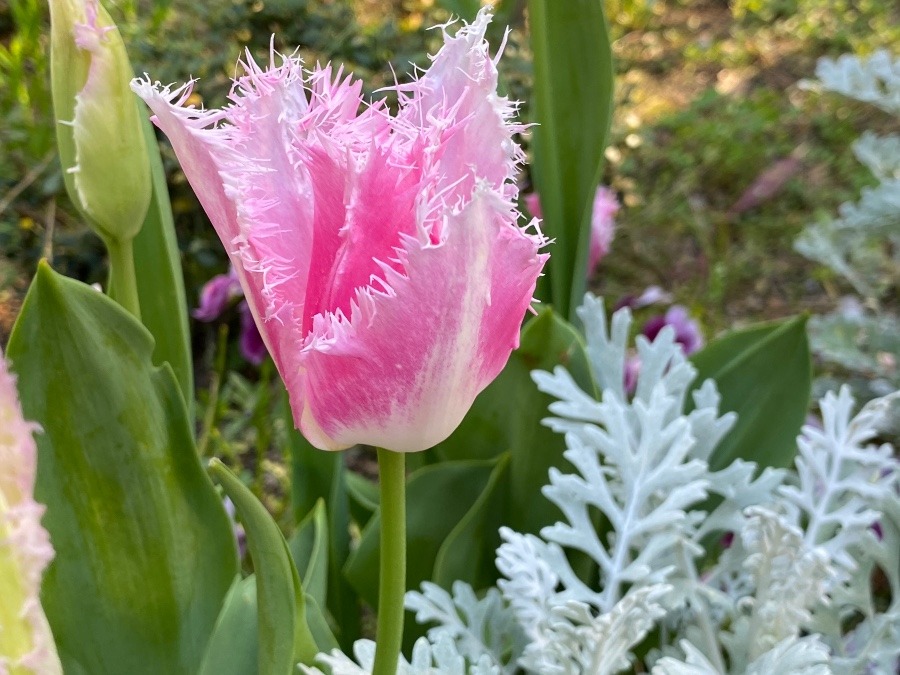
122	279
392	582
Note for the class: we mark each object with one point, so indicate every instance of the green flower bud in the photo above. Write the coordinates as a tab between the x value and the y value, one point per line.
101	142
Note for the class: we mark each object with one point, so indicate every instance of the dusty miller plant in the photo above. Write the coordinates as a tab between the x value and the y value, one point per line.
775	579
862	244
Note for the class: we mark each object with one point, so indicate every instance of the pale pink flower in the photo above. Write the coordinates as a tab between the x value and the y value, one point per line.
380	255
26	643
603	226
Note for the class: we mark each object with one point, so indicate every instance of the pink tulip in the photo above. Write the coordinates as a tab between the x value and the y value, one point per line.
380	255
26	644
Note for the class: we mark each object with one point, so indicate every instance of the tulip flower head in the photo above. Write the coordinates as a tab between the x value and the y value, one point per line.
380	254
26	644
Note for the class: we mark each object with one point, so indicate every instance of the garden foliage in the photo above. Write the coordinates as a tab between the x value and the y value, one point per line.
862	244
766	577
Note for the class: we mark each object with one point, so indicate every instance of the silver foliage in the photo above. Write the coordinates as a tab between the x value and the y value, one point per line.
795	573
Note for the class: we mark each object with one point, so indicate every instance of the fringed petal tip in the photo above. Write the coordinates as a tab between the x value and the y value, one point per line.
89	35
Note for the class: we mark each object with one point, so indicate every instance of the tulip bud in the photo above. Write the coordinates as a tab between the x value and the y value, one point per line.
26	644
101	142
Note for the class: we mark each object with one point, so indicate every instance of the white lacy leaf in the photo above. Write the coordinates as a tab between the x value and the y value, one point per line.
480	628
789	579
805	656
874	80
842	479
871	647
642	463
881	154
579	641
439	658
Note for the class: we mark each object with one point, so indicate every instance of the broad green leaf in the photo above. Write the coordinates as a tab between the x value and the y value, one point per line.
160	282
309	549
284	636
573	83
318	475
144	549
364	497
318	625
234	646
438	497
764	374
470	550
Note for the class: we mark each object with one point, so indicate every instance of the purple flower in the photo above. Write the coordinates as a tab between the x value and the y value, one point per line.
215	297
652	295
687	331
252	346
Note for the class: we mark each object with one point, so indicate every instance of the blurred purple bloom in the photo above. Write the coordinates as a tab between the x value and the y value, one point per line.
632	370
652	295
252	346
687	331
215	297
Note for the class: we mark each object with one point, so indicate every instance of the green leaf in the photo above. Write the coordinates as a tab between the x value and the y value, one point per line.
764	374
160	283
309	549
284	636
364	497
573	81
144	549
438	497
318	626
470	550
234	646
319	475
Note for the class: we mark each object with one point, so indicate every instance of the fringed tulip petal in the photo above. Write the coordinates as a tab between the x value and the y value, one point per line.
379	254
26	644
425	346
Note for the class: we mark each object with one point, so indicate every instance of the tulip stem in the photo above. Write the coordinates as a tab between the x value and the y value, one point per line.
122	278
392	578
